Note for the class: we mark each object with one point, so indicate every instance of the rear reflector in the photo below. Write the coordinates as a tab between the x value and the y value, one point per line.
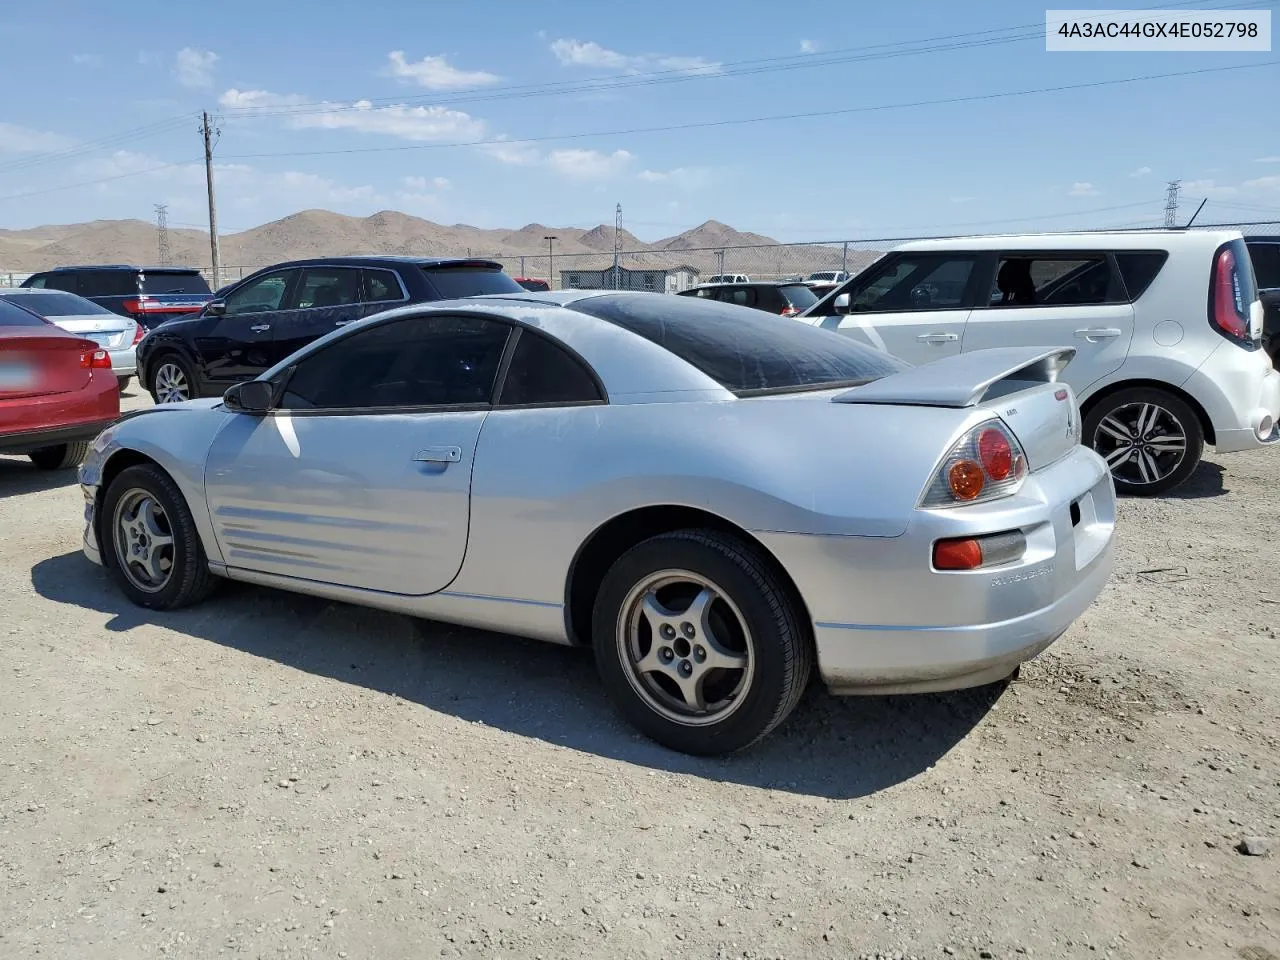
972	553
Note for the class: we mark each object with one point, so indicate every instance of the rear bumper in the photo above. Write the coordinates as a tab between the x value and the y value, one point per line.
1240	391
29	440
885	621
124	362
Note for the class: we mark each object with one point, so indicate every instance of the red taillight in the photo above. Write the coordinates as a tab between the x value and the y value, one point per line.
960	554
95	360
133	305
996	454
790	311
1223	314
138	333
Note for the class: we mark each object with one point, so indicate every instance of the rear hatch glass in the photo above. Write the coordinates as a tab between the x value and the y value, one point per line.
158	284
799	296
470	281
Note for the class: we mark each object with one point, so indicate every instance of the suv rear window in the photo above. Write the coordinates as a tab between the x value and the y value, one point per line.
157	282
451	282
1266	263
748	353
798	295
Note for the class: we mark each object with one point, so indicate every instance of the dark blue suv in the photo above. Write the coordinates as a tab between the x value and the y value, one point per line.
150	295
256	322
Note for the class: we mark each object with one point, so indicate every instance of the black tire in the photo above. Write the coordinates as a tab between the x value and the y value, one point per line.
755	597
123	383
1134	461
189	580
157	365
63	456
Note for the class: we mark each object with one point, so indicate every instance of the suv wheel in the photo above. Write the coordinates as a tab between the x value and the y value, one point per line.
1151	439
172	381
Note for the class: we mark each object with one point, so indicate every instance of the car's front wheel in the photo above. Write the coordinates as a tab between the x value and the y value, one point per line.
172	381
150	540
63	456
699	641
1151	439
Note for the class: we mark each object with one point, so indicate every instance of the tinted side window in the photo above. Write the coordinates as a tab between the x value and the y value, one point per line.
11	316
37	281
915	282
1139	269
326	287
417	362
67	282
107	283
1054	281
173	281
381	285
543	372
1266	264
258	296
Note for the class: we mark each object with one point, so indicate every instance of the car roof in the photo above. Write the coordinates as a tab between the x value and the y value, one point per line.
1084	240
374	260
124	266
748	283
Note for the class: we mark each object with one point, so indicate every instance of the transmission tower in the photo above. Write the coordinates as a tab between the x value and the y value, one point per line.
1171	204
162	233
617	248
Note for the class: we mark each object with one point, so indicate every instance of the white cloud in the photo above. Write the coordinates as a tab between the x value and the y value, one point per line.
194	68
1263	183
86	59
1208	188
682	177
396	120
516	154
1275	159
1141	172
422	184
808	46
963	199
1082	188
17	139
588	164
436	73
588	53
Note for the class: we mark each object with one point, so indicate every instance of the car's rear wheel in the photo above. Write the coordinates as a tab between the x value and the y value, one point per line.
172	381
699	642
63	456
1151	439
150	541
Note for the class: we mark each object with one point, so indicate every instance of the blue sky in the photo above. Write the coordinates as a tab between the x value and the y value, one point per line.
104	100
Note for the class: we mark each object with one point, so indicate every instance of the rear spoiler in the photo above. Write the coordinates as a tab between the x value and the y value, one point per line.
964	380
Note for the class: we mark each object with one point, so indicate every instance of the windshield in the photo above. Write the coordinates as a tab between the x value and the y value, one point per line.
160	283
451	282
746	351
55	303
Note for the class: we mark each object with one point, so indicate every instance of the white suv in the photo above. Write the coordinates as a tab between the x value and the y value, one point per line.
1166	324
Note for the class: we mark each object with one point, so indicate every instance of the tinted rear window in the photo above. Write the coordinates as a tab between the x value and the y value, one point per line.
58	304
1266	264
747	352
451	282
1137	270
156	283
798	295
11	316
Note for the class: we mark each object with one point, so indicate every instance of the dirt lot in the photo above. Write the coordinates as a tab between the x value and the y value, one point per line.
274	776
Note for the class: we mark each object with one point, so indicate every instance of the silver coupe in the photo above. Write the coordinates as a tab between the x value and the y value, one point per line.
712	498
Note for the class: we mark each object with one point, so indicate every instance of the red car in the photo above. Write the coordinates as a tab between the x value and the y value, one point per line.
57	390
532	283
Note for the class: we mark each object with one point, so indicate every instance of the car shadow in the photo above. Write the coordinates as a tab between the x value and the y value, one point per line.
1207	480
833	747
18	475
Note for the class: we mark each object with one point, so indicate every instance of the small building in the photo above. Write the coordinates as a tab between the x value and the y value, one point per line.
655	279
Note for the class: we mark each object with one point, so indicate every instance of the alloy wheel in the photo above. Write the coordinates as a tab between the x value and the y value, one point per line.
171	385
143	540
1143	443
686	647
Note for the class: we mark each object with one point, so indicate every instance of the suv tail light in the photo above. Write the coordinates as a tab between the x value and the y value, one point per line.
985	464
1231	293
138	333
790	310
95	360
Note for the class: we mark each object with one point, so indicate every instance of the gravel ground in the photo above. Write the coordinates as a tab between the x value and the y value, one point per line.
269	775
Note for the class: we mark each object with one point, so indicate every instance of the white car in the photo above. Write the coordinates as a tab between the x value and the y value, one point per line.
1167	325
729	278
117	334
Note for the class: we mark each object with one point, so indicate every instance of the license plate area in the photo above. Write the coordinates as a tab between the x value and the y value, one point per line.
16	376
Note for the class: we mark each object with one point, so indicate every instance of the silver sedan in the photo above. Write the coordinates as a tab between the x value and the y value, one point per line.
713	499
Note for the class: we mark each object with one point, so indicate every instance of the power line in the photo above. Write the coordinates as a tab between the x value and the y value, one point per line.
703	124
92	146
90	183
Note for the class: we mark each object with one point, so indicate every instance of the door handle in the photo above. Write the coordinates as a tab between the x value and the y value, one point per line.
1098	333
260	327
938	337
343	323
438	455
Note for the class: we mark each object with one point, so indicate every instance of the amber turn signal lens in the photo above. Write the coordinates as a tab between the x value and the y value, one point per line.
965	479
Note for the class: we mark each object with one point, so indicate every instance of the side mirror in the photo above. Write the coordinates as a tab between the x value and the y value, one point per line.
215	308
842	303
252	396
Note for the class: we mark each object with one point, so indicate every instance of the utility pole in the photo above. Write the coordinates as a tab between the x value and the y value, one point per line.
522	273
551	261
162	234
720	263
1171	204
209	134
617	248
